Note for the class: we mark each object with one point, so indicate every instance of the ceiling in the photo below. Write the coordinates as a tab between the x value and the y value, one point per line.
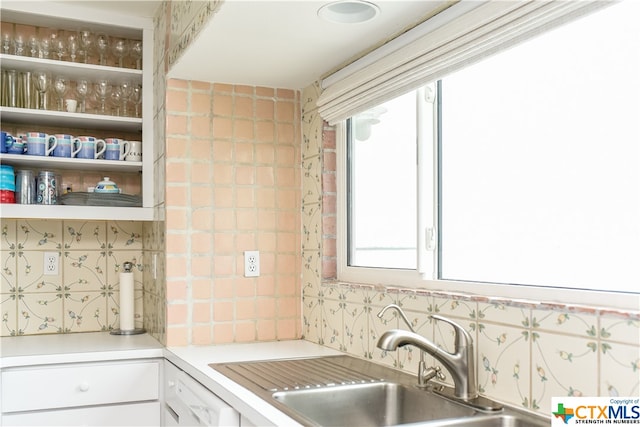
284	43
280	44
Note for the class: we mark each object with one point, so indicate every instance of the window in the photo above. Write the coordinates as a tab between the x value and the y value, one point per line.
538	156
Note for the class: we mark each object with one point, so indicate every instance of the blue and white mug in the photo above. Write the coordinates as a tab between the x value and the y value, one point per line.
87	147
40	144
65	145
6	142
116	149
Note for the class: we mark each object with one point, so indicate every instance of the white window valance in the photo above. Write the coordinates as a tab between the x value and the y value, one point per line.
463	34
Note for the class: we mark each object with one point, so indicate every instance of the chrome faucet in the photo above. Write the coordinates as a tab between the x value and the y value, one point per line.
460	364
424	374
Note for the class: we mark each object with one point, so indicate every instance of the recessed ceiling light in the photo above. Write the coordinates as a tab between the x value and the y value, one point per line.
349	11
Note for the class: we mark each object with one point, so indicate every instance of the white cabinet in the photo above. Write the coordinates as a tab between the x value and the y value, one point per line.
71	17
109	393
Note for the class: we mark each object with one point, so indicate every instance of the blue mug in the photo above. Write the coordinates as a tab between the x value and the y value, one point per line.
6	141
88	147
19	145
40	144
64	147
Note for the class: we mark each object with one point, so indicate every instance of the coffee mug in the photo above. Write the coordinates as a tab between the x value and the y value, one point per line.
117	149
86	147
19	145
135	151
40	144
65	145
6	141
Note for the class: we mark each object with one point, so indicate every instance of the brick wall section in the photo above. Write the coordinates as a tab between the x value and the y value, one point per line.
329	211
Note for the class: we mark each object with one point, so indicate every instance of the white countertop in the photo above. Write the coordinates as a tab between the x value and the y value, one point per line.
33	350
71	348
195	361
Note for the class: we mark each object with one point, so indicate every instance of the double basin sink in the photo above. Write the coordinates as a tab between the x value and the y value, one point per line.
346	391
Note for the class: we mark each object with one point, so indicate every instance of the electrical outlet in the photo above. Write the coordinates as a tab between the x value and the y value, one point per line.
251	263
51	261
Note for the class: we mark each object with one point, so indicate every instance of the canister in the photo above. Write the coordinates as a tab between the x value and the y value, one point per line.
25	187
46	192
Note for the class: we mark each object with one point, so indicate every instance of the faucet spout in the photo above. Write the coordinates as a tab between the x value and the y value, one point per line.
460	364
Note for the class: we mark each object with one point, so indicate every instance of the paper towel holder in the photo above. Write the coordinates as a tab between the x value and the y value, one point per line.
128	268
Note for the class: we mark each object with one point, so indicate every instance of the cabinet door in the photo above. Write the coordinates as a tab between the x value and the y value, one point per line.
140	414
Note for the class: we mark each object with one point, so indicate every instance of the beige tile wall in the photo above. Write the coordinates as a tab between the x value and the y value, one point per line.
232	184
84	295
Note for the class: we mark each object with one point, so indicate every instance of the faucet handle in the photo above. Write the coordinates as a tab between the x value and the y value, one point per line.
463	339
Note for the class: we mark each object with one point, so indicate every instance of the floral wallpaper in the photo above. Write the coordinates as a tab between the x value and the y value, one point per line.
84	294
526	351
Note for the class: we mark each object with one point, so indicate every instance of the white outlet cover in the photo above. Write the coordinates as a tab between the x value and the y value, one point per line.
251	263
50	263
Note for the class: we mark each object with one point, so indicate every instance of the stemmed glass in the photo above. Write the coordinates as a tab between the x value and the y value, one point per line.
19	45
83	89
136	97
116	99
136	52
102	45
73	45
33	46
7	42
41	82
58	45
60	87
45	47
102	89
125	90
86	43
120	49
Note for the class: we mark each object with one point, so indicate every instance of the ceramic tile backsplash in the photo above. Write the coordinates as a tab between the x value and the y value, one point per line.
83	296
232	184
526	352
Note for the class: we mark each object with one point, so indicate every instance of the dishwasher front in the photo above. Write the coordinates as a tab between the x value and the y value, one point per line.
189	403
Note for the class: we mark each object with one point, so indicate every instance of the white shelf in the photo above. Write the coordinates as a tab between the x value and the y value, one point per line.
75	212
62	118
72	70
69	163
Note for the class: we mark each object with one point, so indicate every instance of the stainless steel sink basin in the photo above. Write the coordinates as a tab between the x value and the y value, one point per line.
344	390
379	404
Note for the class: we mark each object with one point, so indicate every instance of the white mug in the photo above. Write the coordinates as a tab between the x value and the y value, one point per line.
135	151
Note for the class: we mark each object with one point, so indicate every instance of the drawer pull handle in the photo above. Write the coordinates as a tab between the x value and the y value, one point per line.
84	386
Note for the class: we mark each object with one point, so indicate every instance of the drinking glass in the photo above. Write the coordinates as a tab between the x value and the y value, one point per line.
33	46
116	100
83	89
125	88
73	44
45	47
120	48
86	42
102	46
60	88
102	89
19	45
7	42
136	52
136	98
58	45
41	82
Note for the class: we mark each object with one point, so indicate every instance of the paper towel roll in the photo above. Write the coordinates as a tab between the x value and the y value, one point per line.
126	301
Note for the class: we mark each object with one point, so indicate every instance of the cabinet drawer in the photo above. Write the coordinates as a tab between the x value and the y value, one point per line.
133	414
62	386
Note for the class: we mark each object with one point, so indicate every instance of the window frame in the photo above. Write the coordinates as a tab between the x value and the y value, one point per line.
430	280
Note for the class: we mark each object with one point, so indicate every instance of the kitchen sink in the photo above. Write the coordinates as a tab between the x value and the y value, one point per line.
344	390
379	404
